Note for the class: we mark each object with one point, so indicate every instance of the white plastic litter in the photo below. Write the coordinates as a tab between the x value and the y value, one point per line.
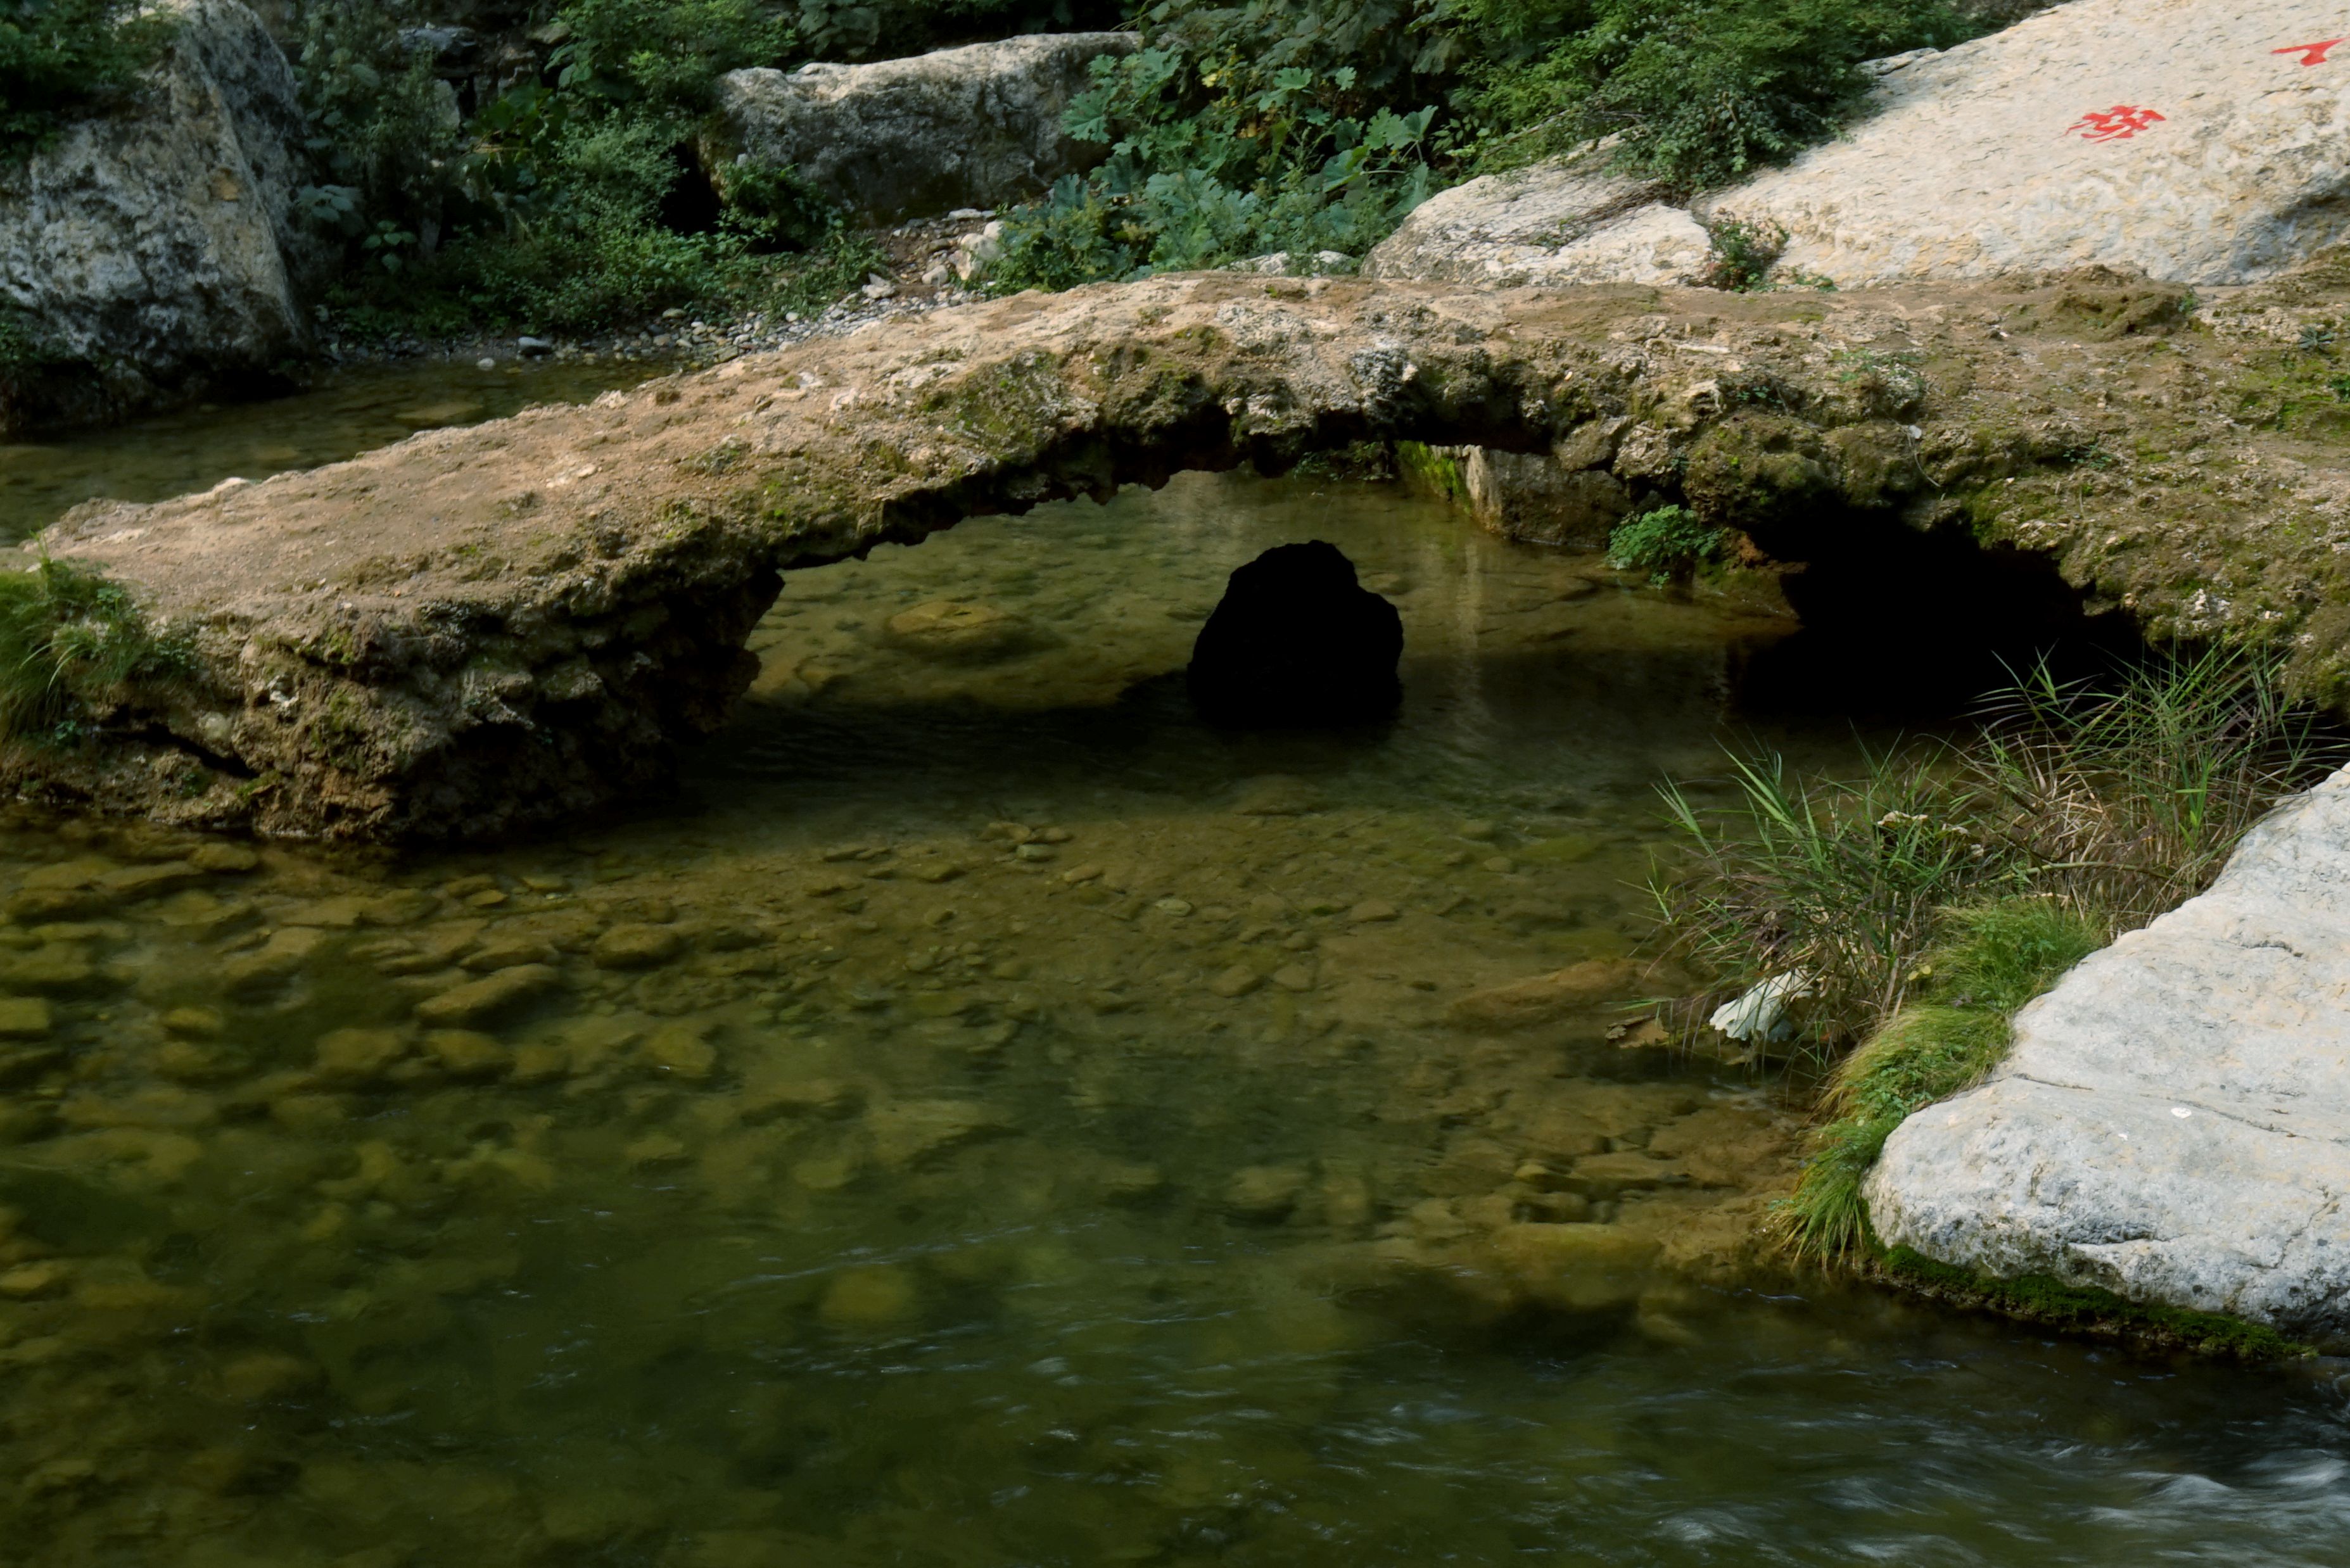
1762	1013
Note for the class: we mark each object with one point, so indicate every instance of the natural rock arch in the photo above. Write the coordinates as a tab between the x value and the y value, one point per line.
478	631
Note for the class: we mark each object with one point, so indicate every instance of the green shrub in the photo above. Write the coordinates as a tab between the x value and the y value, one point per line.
1667	542
1701	92
59	58
1222	149
384	132
664	54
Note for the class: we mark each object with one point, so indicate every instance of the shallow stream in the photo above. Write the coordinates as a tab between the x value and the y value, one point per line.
992	1120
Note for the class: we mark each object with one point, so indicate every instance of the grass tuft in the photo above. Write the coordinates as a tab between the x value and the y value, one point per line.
1928	900
65	631
1997	957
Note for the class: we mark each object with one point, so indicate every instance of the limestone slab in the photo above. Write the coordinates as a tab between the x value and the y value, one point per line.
2184	139
2173	1121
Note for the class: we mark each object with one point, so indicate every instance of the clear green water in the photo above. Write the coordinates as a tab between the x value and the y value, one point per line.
345	412
850	1182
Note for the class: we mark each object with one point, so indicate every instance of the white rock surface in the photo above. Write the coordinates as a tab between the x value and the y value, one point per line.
2173	1124
147	248
978	126
2012	153
1553	223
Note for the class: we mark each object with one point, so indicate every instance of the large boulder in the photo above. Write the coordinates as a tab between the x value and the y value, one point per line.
1556	223
2173	1123
144	252
1296	643
2197	142
973	126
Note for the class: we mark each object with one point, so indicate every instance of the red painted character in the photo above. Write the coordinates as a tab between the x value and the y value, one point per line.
2119	124
2311	54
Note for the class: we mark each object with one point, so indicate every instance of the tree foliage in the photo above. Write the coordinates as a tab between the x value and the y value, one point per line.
1700	92
59	58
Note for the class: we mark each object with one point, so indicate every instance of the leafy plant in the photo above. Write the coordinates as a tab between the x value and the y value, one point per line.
774	207
663	55
385	133
1667	542
59	58
1743	252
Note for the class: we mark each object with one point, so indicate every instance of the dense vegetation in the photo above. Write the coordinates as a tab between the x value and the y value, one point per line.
1919	907
62	58
568	201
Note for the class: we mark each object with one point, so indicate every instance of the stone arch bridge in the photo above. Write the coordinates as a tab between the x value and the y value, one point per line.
477	630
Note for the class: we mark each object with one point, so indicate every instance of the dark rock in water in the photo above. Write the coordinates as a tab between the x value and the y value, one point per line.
1297	643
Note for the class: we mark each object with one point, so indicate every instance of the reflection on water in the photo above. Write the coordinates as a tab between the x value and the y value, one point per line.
995	1121
348	411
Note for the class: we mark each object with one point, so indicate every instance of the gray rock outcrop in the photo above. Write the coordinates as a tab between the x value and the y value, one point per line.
2173	1123
1554	224
972	127
2193	141
155	251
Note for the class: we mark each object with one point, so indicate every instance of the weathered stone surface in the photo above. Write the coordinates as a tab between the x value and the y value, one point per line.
153	252
973	126
1572	222
2173	1123
479	630
2019	152
1541	498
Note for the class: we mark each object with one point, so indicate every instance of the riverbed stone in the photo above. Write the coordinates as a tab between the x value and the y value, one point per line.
468	1052
907	1132
281	955
2172	1123
1545	998
952	632
348	1056
636	945
679	1050
482	1001
1265	1192
224	859
974	127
